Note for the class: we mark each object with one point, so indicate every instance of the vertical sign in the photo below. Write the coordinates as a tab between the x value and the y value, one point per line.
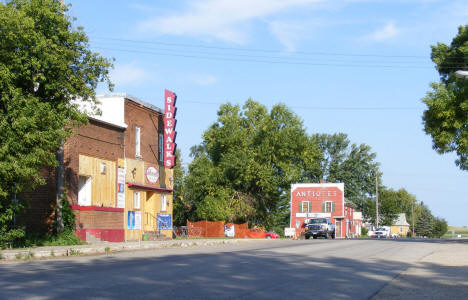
169	128
120	187
131	220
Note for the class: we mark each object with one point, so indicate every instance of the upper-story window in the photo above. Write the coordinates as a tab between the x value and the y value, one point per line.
137	141
161	147
305	207
328	206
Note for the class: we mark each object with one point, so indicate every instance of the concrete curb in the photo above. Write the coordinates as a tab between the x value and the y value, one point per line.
102	248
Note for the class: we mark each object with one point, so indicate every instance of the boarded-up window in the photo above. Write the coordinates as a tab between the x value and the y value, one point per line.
161	147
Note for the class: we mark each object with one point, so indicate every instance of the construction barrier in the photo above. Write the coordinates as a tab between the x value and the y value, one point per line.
215	229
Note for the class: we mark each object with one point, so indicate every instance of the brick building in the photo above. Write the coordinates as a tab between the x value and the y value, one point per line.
323	200
115	179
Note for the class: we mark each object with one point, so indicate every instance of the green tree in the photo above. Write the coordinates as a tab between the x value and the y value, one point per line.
391	203
446	117
247	161
352	164
425	223
440	227
44	64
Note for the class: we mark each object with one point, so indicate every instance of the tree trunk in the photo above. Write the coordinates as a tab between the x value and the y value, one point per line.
60	171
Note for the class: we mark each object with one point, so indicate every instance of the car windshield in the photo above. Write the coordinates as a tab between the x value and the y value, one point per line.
317	221
381	229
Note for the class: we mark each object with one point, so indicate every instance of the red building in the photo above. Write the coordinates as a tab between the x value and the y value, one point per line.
323	200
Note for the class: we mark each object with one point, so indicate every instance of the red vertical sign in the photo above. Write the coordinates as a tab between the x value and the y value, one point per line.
169	128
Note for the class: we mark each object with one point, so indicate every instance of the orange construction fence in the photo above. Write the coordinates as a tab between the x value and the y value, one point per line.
215	229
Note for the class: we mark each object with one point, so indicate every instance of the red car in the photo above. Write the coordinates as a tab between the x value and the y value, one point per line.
271	235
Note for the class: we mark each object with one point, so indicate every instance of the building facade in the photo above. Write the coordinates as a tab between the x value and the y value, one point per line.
323	200
115	180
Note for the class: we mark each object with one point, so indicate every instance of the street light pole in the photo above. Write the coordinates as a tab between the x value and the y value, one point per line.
376	201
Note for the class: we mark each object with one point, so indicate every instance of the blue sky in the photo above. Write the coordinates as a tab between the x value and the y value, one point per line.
353	66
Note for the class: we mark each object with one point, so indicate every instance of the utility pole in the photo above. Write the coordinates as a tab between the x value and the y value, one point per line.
376	200
412	214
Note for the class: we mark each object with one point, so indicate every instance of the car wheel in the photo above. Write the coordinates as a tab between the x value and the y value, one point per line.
333	235
307	237
315	237
268	237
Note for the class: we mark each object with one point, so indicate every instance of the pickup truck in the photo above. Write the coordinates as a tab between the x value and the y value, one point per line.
320	227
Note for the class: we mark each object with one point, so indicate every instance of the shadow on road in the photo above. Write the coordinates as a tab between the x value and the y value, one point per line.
249	274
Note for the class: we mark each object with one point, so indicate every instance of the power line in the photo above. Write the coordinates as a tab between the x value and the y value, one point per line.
262	50
287	62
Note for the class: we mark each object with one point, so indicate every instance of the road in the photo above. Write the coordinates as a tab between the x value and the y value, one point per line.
273	269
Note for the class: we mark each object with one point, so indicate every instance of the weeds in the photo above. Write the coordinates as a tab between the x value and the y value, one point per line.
108	250
19	256
73	252
29	256
52	253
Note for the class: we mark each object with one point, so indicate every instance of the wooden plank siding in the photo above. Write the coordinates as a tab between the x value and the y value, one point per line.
103	186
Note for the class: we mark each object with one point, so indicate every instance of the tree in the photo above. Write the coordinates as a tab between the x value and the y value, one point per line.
352	164
446	117
391	203
247	161
45	63
425	224
440	227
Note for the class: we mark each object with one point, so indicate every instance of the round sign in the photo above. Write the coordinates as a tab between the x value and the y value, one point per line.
152	174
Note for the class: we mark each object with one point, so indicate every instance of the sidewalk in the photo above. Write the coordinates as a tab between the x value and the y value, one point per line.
106	247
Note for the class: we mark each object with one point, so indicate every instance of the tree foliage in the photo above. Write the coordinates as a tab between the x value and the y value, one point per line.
425	223
391	203
446	117
247	161
44	64
352	164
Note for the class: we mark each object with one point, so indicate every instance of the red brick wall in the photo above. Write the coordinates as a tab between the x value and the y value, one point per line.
151	123
98	219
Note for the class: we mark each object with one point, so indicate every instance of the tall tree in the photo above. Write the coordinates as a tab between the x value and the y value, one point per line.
391	203
248	159
425	224
45	63
446	117
352	164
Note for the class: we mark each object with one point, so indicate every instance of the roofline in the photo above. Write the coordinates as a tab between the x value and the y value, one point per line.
134	99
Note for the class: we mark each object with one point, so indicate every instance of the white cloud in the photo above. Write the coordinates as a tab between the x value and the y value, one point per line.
129	74
387	32
288	34
203	79
221	19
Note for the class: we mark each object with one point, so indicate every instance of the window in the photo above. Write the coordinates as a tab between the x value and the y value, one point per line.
84	191
103	168
161	147
305	207
137	141
136	200
328	206
163	203
401	229
298	223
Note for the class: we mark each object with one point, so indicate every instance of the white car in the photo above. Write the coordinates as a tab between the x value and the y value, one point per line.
383	232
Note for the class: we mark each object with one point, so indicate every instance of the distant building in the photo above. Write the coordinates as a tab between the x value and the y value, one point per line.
400	226
115	178
324	200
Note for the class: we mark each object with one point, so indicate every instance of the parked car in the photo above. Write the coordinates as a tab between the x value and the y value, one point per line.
271	235
320	227
383	232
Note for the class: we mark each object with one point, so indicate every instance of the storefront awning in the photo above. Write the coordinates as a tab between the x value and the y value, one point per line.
147	187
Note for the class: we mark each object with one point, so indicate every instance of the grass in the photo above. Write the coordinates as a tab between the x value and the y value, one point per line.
463	231
66	238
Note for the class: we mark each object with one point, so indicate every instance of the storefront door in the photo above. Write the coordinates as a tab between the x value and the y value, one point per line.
338	228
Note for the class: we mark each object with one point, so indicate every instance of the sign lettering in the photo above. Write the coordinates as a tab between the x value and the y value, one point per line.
169	128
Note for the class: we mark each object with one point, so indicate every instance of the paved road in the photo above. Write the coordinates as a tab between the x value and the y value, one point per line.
282	269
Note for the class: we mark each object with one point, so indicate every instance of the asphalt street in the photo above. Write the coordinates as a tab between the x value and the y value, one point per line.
273	269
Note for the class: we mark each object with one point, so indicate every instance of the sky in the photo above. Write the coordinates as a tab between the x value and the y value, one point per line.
359	67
